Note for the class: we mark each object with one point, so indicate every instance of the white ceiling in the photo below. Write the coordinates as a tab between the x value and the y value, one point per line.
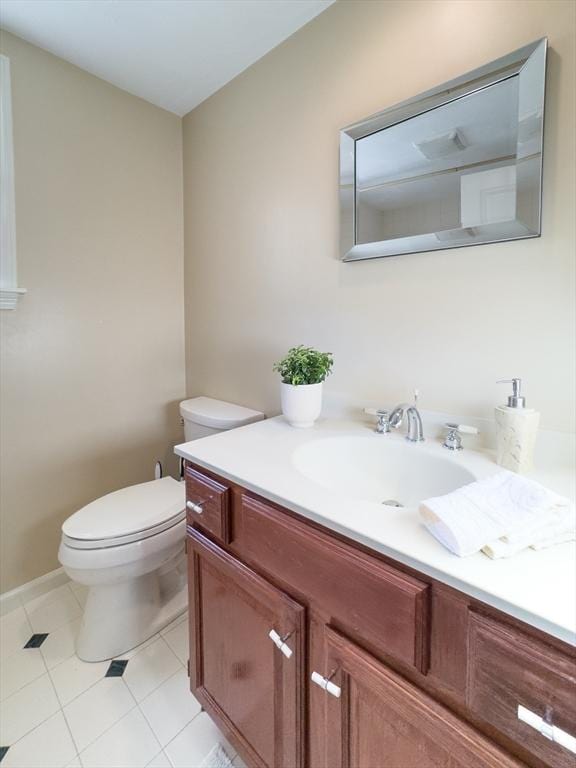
173	53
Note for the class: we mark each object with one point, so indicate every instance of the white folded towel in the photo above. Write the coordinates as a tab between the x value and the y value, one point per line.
503	548
501	515
554	527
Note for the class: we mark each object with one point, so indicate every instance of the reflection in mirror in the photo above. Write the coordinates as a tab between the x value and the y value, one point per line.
458	172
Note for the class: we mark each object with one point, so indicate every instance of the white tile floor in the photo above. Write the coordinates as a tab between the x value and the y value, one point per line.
57	711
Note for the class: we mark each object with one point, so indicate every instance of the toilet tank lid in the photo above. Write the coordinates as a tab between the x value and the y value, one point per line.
217	413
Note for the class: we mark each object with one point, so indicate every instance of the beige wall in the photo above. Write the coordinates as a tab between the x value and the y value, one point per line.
92	365
261	222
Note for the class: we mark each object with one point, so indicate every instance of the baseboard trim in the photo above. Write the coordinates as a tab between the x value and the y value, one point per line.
9	601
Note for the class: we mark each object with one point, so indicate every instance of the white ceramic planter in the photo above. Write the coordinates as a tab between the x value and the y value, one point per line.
301	405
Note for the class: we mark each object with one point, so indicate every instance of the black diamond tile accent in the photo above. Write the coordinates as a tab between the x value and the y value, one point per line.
3	751
36	641
116	668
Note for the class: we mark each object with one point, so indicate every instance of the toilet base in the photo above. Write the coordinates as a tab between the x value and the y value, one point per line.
122	615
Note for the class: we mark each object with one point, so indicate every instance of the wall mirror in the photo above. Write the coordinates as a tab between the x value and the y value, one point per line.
458	165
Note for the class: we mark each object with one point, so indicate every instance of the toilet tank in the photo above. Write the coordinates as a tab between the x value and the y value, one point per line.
204	416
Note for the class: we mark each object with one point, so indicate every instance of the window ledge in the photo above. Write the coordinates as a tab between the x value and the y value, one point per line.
9	297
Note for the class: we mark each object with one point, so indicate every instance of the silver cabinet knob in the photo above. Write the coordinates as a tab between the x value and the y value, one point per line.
194	507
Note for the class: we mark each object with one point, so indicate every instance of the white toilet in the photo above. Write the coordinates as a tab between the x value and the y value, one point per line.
128	548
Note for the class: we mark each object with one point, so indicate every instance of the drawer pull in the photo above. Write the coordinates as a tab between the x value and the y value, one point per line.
195	507
325	684
280	642
549	731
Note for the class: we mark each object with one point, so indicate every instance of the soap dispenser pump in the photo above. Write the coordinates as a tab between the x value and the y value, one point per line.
516	430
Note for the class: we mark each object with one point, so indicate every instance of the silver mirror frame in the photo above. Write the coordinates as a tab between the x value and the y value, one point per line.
531	56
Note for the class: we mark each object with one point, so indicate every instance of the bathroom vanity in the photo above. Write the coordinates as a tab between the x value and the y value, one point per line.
311	645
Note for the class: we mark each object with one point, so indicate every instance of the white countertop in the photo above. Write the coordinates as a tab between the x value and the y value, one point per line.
537	587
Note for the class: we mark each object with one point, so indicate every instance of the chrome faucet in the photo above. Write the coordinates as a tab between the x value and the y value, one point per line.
415	432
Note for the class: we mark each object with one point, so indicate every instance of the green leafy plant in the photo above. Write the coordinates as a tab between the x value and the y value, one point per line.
304	365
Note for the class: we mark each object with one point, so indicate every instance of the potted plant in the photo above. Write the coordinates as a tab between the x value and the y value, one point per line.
303	370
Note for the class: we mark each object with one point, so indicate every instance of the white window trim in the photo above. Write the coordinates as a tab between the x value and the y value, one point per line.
9	291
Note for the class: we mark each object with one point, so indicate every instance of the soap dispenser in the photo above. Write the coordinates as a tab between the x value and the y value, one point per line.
516	429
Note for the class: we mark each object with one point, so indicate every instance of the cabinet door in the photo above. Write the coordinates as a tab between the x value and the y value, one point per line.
253	689
510	672
382	721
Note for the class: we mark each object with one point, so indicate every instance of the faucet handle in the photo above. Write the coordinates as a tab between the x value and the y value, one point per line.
453	440
383	424
465	430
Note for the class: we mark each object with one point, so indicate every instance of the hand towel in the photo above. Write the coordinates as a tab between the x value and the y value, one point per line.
555	527
483	512
503	548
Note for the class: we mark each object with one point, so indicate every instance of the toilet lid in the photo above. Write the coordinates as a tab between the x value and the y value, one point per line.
134	512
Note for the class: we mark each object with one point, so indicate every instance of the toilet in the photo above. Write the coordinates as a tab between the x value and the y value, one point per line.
128	548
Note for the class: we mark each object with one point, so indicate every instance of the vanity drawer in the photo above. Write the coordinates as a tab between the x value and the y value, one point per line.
359	594
508	669
208	504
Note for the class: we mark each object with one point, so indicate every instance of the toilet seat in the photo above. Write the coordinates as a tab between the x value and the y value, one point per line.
118	540
128	515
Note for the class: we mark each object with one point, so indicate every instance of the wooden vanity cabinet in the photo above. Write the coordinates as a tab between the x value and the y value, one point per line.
413	673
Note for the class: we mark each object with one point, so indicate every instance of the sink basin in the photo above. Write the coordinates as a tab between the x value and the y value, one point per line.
379	469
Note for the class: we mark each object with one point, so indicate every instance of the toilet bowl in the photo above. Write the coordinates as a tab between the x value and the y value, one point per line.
128	548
